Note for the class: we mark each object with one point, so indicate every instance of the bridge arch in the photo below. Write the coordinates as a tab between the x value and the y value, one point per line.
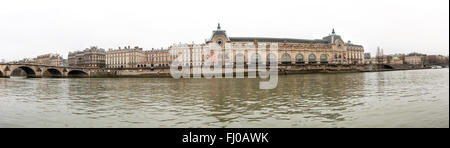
30	73
388	66
77	74
52	73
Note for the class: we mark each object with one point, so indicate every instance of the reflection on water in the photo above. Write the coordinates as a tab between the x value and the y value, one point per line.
416	98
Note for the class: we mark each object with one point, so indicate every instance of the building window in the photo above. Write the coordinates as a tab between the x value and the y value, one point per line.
255	58
240	59
219	59
271	58
286	59
323	58
312	58
299	59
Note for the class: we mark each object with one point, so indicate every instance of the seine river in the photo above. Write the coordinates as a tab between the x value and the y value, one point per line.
415	98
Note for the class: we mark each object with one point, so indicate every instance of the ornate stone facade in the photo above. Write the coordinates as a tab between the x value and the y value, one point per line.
126	58
49	59
46	59
328	50
159	58
130	58
90	58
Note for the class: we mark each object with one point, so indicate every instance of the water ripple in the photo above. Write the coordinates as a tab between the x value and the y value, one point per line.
386	99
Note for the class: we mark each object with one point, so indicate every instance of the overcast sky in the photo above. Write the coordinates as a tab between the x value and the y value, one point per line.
32	27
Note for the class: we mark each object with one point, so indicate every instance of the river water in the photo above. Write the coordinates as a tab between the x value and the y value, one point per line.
415	98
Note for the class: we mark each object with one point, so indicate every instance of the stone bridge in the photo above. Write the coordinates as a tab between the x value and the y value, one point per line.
38	71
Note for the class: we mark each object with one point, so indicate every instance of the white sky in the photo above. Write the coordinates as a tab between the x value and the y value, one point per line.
33	27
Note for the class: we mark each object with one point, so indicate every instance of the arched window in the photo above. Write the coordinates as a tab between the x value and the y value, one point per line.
227	58
299	59
240	59
323	58
286	59
219	58
312	58
255	58
271	57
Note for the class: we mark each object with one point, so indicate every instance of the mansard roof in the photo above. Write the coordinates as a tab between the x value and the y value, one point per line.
219	32
264	39
351	44
330	38
325	40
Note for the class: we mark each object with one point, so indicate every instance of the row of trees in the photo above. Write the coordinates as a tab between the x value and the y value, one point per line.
436	60
427	60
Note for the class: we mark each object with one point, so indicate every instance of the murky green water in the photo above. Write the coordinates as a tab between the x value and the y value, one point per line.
418	98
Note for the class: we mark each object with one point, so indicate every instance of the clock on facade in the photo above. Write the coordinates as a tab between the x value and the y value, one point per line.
220	42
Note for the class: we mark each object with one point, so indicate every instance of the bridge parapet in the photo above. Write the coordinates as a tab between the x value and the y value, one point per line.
36	70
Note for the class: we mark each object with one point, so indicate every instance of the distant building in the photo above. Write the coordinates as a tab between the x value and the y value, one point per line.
416	54
26	61
75	58
414	60
396	59
159	57
126	58
330	49
49	60
65	62
436	60
367	56
90	58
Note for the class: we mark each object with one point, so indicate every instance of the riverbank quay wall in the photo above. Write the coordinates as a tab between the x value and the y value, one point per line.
282	70
66	72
